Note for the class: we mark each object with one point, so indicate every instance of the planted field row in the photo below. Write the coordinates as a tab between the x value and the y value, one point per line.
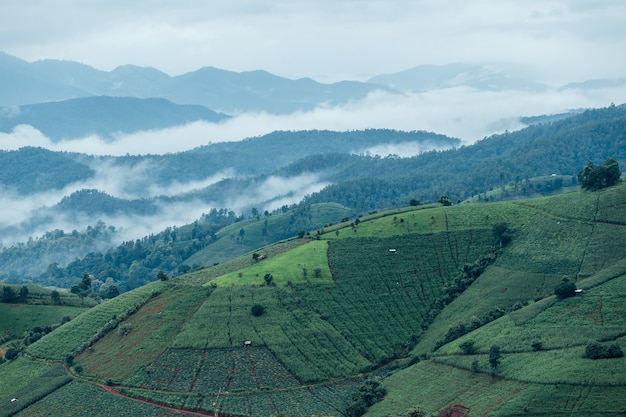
78	399
223	321
382	298
30	382
559	251
91	325
565	366
142	337
215	370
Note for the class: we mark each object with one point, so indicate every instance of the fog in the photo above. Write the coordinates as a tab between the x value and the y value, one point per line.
457	112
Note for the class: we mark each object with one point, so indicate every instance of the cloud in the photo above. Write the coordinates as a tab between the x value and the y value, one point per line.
458	112
325	39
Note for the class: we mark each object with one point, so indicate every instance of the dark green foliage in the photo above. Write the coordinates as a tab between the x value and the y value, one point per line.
502	233
11	353
55	297
565	289
269	279
257	310
468	347
8	294
162	275
596	350
367	394
494	358
596	177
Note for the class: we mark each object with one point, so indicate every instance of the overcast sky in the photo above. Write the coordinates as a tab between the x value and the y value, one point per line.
327	40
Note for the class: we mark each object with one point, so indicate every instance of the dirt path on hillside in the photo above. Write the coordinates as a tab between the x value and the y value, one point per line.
154	404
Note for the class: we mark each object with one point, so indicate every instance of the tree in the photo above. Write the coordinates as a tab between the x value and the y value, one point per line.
596	177
494	358
11	353
565	289
502	233
444	200
56	298
23	293
8	294
257	310
269	279
162	276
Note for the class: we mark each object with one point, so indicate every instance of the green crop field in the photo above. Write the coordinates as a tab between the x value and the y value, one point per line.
81	332
390	297
18	319
297	265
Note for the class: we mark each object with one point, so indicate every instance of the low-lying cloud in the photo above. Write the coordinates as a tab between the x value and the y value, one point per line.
457	112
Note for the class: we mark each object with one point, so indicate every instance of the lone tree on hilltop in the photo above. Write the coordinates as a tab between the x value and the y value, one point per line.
596	177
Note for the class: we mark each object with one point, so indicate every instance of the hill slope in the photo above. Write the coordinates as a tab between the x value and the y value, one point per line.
367	298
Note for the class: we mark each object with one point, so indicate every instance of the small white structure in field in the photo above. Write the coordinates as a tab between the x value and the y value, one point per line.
392	251
247	343
13	400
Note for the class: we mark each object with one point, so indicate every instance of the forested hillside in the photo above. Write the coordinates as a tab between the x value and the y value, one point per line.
337	164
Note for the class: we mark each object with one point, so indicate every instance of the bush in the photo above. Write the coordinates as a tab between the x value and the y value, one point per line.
257	310
565	289
595	350
11	353
468	347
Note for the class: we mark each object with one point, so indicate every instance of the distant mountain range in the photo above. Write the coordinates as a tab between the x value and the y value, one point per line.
65	99
224	91
23	82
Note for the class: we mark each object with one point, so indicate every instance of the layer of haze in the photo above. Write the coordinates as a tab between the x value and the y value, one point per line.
457	112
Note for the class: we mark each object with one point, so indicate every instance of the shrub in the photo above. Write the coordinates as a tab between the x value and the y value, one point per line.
257	310
11	353
468	347
595	350
565	289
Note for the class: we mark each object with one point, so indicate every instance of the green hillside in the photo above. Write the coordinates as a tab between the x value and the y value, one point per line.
392	297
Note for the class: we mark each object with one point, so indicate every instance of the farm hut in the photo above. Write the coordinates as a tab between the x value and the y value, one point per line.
247	343
392	251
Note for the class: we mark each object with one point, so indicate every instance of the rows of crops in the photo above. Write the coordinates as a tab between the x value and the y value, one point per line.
382	298
78	399
30	381
73	336
327	400
215	370
148	332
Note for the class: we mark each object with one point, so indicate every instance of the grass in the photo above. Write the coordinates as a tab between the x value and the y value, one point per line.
295	266
19	319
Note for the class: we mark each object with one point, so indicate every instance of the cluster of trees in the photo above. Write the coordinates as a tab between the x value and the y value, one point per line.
9	295
596	177
596	350
367	394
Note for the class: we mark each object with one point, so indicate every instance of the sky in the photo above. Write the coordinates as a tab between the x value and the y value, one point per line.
327	40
